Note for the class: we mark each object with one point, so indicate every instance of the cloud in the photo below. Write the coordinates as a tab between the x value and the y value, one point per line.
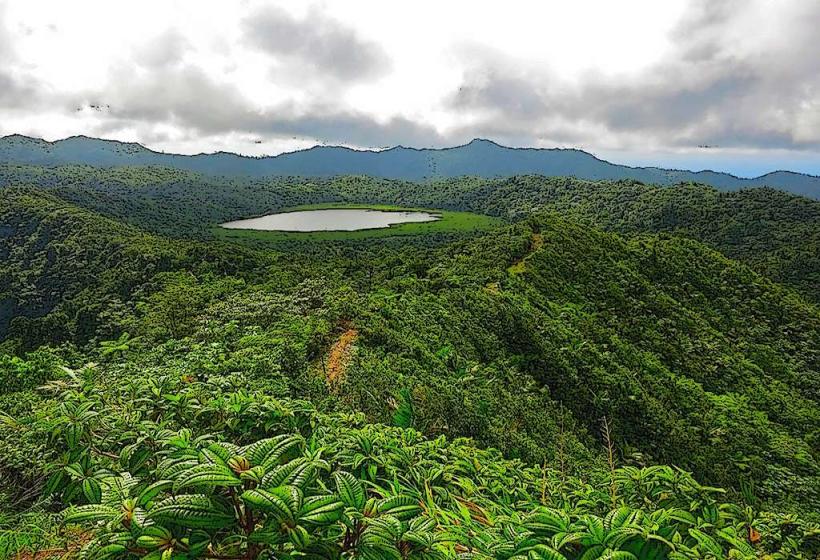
347	127
166	49
709	89
184	96
494	88
156	90
18	90
196	104
739	74
16	93
315	43
5	43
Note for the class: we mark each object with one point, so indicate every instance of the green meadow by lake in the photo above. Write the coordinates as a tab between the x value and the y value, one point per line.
351	221
332	219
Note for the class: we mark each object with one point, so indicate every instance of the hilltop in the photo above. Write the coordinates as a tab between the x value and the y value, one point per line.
482	158
776	233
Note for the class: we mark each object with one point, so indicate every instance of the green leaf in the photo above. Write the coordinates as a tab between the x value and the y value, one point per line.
543	552
270	503
92	491
91	512
75	470
283	473
213	455
254	474
730	537
54	482
706	542
270	452
109	551
682	516
593	553
209	474
170	468
403	417
547	521
618	555
195	511
152	541
350	490
73	434
400	506
153	490
321	510
617	537
617	517
299	536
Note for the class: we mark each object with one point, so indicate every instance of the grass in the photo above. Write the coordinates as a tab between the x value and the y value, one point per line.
31	534
450	222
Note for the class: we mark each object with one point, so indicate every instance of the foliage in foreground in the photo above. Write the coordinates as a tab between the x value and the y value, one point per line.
174	468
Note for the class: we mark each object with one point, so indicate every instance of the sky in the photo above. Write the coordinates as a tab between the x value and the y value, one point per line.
729	85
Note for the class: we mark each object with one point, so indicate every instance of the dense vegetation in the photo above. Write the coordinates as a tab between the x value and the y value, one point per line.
168	467
168	395
482	158
776	233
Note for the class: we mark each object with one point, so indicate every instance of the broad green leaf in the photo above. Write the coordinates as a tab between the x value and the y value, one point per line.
196	511
209	474
270	503
91	512
400	506
350	490
321	510
92	491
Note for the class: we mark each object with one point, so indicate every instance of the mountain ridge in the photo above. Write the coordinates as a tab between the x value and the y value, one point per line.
480	157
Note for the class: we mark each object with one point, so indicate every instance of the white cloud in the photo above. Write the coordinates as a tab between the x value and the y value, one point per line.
614	77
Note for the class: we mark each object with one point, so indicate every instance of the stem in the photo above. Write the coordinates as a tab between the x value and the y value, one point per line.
105	453
613	487
246	521
544	482
561	451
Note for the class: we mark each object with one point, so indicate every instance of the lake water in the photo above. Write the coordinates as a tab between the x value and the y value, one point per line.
331	219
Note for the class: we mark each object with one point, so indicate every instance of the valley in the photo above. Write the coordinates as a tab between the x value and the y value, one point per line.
582	360
333	280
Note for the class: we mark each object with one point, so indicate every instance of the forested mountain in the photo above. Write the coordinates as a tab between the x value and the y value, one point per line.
52	252
235	400
369	351
481	158
775	233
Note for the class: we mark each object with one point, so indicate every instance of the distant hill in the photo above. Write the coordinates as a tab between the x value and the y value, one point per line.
775	232
481	158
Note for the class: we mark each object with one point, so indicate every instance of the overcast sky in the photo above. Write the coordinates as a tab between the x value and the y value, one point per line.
633	81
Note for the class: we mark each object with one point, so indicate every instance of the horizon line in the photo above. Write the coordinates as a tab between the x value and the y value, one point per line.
402	147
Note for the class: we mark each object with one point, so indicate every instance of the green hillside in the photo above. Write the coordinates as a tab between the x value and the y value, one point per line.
480	157
185	397
776	233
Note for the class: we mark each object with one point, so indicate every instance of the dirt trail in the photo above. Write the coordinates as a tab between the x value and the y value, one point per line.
536	242
339	356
